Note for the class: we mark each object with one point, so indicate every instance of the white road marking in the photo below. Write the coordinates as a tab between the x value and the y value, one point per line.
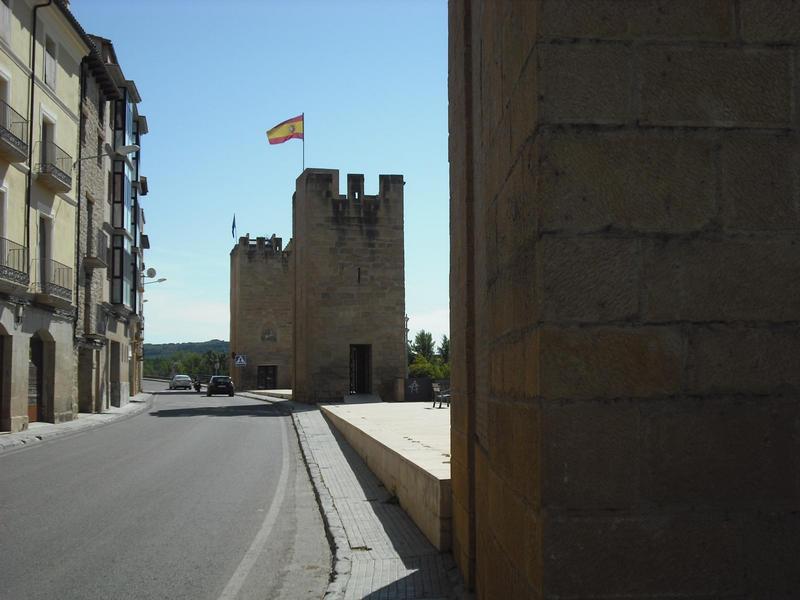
249	559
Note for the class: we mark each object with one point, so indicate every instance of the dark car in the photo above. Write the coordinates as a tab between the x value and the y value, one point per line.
219	384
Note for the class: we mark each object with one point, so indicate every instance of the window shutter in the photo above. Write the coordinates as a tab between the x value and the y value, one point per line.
5	20
50	63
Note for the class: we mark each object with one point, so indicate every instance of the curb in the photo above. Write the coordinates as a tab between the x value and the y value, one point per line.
25	439
340	547
334	530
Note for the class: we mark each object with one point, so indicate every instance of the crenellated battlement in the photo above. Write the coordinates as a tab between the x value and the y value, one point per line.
324	183
261	246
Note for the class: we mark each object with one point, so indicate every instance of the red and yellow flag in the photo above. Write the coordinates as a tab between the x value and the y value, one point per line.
289	129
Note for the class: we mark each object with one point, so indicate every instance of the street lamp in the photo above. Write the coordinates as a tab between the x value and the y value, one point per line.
156	281
122	152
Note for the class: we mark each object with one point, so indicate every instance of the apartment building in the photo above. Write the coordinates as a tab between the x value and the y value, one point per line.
41	49
109	328
71	228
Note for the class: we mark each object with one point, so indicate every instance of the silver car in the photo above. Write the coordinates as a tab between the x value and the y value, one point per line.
181	382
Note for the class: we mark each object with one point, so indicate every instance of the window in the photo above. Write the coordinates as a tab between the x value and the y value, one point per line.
101	109
5	20
48	153
50	62
99	151
3	196
6	122
121	270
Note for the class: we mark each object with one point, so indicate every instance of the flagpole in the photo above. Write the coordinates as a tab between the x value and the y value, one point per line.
304	140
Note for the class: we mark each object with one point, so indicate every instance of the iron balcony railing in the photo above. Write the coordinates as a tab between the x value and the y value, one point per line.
96	251
101	244
13	127
56	162
13	261
52	278
97	247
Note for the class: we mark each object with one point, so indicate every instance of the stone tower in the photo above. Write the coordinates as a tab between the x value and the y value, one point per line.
261	313
349	298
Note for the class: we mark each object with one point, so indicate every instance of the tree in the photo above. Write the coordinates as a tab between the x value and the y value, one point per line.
423	344
434	369
422	367
444	349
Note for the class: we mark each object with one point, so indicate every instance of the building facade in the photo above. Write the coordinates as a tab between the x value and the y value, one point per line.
325	315
624	261
40	54
58	106
109	326
261	313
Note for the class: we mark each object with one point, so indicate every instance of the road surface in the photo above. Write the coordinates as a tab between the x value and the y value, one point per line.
196	497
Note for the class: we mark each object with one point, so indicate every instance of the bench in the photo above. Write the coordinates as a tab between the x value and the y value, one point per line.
440	395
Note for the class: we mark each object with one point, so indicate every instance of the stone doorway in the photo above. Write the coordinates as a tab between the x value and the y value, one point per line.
267	377
360	369
41	377
5	380
115	374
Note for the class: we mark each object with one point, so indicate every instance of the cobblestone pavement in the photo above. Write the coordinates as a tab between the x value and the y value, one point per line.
380	552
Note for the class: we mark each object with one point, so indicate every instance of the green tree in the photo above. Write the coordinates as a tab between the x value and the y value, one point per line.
435	369
422	367
423	344
444	350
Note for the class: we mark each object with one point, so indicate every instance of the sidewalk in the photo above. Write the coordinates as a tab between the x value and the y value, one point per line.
40	432
379	551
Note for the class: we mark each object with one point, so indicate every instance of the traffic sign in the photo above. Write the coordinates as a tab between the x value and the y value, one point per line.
241	360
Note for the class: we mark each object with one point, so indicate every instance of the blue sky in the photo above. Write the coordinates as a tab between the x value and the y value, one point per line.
371	78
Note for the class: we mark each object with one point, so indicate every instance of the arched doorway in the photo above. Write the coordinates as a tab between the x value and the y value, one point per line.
41	377
5	380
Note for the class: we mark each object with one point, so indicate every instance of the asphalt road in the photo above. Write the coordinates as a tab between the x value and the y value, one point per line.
197	498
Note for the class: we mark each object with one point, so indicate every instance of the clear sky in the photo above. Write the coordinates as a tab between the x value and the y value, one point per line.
371	78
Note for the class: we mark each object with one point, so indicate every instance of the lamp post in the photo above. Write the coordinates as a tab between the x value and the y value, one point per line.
121	153
160	280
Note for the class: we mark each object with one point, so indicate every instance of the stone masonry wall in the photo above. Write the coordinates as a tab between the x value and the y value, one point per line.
94	211
350	288
261	310
625	268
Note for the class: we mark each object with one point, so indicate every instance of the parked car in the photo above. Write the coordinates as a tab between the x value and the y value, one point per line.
181	382
219	384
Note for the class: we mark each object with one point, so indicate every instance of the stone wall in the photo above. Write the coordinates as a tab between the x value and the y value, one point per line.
624	271
350	288
261	310
92	372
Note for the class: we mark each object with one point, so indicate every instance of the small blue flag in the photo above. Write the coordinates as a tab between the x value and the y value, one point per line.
233	227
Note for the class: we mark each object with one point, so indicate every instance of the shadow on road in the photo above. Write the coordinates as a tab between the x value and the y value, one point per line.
245	410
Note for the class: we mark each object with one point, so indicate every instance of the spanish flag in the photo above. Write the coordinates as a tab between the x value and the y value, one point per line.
290	128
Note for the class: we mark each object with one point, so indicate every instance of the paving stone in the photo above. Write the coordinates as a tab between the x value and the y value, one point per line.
391	558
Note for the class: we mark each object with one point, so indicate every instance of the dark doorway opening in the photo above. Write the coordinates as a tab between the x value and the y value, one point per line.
267	377
5	380
360	369
34	380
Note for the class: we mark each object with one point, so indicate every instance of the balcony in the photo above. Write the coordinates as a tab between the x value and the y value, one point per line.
96	252
13	133
55	167
13	265
52	282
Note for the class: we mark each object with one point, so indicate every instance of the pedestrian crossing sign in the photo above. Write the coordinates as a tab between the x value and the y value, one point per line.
241	360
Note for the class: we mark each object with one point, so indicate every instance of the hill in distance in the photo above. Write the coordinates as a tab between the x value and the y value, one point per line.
166	350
